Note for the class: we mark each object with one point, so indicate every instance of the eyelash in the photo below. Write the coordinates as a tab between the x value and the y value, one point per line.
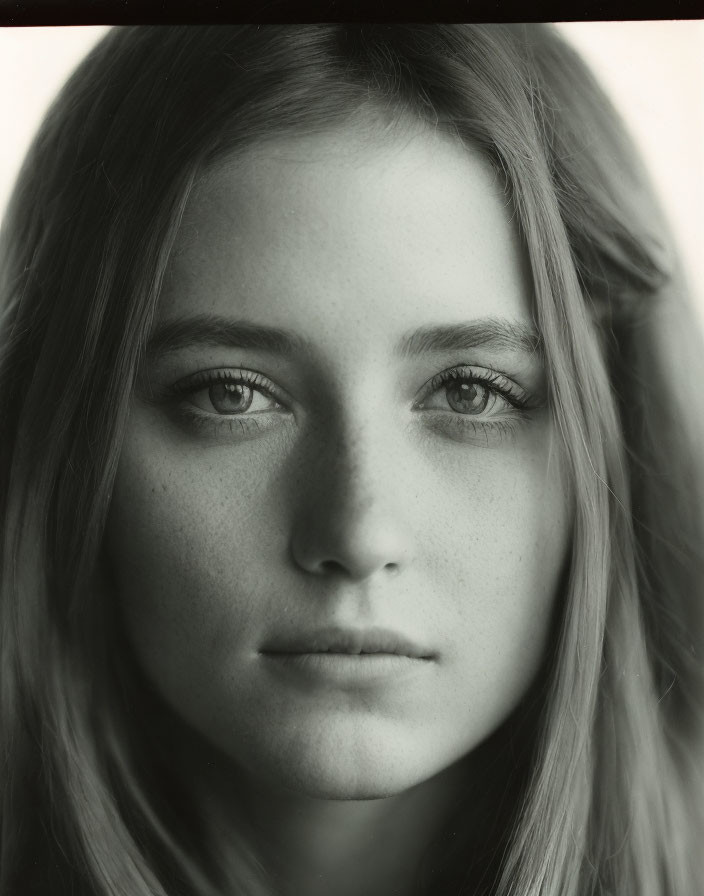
246	424
490	379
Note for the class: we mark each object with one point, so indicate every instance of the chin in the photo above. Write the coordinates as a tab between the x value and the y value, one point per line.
352	768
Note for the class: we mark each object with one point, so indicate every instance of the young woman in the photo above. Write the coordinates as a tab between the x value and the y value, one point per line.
351	478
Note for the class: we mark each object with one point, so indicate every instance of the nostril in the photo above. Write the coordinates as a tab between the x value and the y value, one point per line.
332	567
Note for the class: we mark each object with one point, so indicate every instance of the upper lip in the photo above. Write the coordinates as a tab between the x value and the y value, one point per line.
347	640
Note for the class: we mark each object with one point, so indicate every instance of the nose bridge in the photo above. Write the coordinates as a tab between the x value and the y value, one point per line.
355	465
348	519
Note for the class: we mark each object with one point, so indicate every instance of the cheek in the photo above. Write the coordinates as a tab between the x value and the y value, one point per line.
500	540
187	545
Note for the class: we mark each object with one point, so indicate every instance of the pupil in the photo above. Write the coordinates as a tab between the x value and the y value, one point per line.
230	398
467	398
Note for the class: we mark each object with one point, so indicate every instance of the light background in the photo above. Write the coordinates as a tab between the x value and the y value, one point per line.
654	72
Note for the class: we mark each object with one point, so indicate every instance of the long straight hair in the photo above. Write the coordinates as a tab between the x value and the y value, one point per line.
612	800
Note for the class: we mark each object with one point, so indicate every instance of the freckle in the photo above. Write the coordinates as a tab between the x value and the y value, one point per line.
164	486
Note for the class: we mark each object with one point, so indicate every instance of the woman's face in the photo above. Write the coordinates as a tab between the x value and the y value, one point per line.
338	524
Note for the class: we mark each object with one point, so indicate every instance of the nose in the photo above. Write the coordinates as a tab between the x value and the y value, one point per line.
349	519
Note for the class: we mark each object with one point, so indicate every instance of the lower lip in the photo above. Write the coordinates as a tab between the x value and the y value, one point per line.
346	669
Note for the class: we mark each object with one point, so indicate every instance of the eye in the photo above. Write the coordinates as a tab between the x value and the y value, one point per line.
234	397
228	393
472	392
467	396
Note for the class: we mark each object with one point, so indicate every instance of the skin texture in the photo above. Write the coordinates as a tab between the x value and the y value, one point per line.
356	497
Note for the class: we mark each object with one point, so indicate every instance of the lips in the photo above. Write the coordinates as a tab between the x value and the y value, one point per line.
347	641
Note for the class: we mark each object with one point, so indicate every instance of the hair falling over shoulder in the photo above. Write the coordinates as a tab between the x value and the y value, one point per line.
612	801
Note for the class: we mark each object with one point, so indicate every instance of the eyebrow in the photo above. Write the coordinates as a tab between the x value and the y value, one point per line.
488	332
181	333
212	330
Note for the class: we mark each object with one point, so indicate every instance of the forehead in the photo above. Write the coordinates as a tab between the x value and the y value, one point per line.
385	232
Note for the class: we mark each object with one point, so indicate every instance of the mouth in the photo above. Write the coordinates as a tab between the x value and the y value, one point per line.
350	642
346	659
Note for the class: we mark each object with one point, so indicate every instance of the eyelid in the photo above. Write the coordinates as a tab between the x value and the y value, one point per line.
487	376
202	379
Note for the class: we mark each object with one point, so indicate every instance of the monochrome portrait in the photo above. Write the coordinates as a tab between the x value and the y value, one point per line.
351	476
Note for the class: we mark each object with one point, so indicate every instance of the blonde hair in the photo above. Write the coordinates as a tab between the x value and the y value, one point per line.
612	800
